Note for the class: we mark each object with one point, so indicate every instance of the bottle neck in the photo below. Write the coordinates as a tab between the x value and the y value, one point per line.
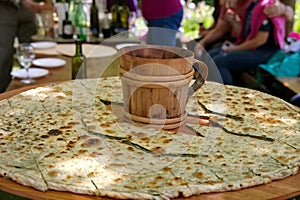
71	5
78	49
79	4
66	16
118	2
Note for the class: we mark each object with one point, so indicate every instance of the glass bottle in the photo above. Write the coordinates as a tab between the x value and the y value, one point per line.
120	14
71	11
94	19
67	30
106	29
80	22
78	62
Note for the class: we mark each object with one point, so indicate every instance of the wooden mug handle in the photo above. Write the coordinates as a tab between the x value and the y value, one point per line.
200	76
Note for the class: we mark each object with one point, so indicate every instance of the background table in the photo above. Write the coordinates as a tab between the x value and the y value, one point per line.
96	67
291	83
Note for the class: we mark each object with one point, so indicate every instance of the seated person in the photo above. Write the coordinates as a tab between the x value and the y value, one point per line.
259	39
227	25
217	33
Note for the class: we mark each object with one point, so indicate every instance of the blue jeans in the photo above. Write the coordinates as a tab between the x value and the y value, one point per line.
163	31
238	61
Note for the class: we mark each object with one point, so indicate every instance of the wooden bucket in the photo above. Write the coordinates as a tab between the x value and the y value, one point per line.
156	84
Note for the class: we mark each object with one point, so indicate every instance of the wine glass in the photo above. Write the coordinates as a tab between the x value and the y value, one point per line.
25	57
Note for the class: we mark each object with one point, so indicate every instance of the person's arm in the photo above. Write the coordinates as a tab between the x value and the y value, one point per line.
31	5
260	39
216	33
279	8
234	21
37	7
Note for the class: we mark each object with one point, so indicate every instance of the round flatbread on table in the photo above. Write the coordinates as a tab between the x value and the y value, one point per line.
71	137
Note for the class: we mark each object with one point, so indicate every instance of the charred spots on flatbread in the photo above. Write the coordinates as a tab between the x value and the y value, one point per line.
45	136
251	109
198	175
71	143
54	132
91	142
83	137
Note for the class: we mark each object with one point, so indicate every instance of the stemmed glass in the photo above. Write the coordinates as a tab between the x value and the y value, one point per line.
25	57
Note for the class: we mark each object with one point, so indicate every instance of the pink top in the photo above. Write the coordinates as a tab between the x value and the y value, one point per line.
238	9
258	17
155	9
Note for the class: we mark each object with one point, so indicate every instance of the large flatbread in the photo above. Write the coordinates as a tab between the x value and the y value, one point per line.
66	137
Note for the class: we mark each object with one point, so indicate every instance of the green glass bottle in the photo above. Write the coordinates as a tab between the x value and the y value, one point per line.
80	22
94	19
78	62
71	11
120	14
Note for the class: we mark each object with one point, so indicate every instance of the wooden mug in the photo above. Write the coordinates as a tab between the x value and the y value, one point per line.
156	83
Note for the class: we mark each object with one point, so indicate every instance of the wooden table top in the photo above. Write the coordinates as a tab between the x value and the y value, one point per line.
291	83
281	189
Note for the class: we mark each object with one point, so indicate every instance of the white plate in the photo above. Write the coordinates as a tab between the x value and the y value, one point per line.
120	46
49	62
43	45
33	73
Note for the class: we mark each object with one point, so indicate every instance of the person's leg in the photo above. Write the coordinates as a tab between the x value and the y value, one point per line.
8	27
161	36
163	31
174	21
239	61
223	69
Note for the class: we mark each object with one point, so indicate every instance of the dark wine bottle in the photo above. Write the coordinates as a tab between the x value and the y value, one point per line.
106	29
78	62
94	19
67	27
120	14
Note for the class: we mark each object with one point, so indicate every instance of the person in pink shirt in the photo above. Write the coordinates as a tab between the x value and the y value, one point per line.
163	19
260	37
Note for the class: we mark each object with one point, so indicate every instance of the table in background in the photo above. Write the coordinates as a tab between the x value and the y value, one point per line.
291	83
96	67
113	40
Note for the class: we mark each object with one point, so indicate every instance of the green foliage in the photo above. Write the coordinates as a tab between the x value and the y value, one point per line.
208	2
297	17
195	14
